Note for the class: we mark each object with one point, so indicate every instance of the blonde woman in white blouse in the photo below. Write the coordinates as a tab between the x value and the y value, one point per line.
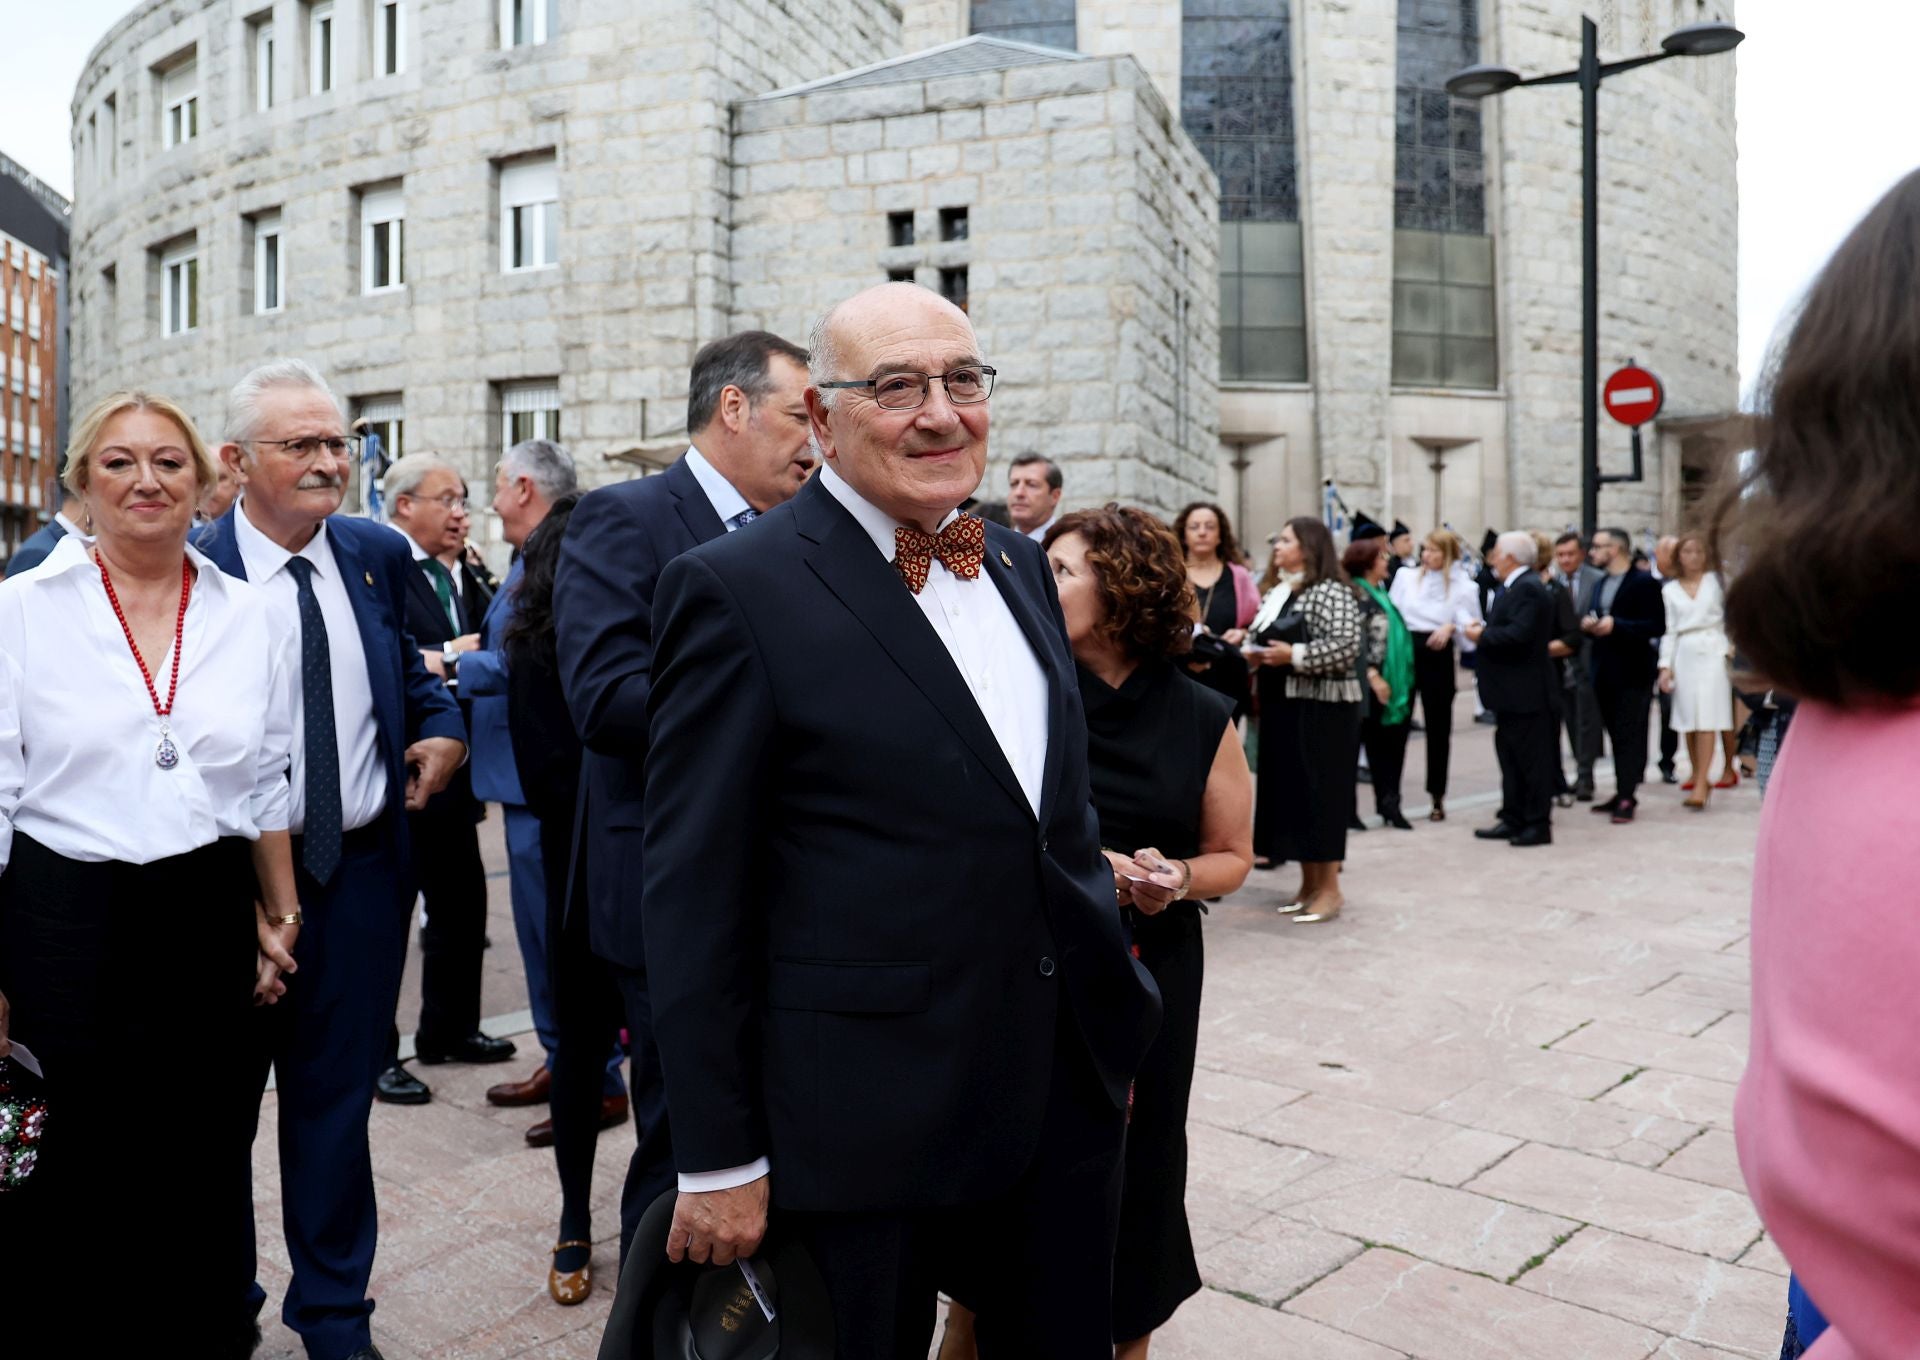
1437	600
1693	661
146	880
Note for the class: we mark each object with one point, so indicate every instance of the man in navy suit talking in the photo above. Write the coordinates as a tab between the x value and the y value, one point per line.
375	735
751	449
891	988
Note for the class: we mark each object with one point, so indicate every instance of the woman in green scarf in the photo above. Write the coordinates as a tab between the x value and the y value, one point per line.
1387	666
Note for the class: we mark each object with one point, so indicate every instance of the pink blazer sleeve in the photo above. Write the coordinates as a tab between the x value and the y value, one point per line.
1246	596
1828	1119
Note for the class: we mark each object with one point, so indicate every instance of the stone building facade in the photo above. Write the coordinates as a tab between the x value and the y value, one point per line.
1234	248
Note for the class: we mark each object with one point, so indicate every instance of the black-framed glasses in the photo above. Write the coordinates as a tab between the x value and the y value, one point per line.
308	449
904	391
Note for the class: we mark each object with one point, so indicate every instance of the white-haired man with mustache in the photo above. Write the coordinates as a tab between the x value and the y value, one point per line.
375	735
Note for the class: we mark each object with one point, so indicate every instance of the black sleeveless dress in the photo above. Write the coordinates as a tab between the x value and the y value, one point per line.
1150	747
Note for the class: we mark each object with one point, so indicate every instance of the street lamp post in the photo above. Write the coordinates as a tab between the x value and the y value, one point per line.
1480	82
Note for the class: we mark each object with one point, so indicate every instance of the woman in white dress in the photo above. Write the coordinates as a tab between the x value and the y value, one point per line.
1693	661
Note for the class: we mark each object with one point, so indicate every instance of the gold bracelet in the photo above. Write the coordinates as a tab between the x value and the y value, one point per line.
1186	881
293	920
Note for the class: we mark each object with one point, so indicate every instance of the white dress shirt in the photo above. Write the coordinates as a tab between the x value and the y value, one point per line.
978	629
1037	535
60	518
722	495
78	729
363	778
1430	600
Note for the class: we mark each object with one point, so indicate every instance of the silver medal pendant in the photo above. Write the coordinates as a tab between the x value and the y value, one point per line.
166	755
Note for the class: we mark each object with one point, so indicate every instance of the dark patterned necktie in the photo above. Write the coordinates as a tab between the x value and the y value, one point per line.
962	545
320	844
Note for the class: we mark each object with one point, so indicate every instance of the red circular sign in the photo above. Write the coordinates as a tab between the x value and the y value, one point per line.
1632	396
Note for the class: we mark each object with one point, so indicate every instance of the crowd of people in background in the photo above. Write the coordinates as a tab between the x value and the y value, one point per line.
293	721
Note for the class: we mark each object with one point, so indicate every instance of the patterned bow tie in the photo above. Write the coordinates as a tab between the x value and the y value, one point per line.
962	545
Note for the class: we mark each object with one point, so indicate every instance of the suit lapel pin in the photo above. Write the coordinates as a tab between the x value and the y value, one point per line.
1004	559
369	578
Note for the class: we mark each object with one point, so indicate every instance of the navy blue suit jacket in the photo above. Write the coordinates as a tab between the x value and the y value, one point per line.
483	689
862	941
410	703
618	540
34	549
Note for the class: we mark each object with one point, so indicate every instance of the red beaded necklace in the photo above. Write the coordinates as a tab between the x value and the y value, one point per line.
165	755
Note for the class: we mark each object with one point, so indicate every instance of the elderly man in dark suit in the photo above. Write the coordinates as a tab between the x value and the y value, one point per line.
1519	685
375	736
751	449
1580	710
891	989
1625	618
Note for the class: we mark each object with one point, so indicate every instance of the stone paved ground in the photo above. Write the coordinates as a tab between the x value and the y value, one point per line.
1485	1116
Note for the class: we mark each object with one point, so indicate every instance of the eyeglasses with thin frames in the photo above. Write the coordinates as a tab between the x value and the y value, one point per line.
907	391
307	449
446	502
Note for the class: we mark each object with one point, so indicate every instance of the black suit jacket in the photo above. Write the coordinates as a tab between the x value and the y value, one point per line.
1630	655
34	548
858	932
1517	677
618	540
426	622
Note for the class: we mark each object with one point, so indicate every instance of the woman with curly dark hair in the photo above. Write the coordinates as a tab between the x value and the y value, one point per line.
1307	639
1227	599
1171	787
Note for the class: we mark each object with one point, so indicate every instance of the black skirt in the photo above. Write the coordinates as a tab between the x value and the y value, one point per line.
1305	795
132	984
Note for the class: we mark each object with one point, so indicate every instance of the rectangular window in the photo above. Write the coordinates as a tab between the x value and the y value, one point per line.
269	264
899	229
1443	311
953	224
112	109
528	23
320	47
180	291
899	276
1263	315
180	102
529	410
529	213
389	51
384	418
383	215
953	286
263	66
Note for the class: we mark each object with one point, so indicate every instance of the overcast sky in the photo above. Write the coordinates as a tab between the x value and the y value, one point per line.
1826	124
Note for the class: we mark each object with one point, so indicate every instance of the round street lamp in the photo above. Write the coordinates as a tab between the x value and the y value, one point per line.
1481	82
1702	40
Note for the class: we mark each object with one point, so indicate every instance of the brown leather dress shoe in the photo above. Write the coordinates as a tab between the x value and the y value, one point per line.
613	1111
532	1091
574	1285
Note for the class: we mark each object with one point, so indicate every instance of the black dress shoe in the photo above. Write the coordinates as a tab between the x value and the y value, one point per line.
1499	831
1355	824
1623	811
1533	835
1397	820
397	1086
1669	775
1583	790
475	1048
367	1353
1608	806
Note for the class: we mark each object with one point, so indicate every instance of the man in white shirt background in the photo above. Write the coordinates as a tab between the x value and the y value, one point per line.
1034	486
375	735
752	448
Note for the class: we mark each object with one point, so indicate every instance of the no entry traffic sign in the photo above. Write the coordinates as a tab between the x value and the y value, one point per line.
1633	396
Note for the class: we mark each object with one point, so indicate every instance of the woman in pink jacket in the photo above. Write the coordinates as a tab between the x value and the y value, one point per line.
1828	1120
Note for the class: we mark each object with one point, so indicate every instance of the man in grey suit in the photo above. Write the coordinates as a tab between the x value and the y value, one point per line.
1581	711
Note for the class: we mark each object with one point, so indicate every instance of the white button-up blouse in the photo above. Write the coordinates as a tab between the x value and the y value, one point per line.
78	731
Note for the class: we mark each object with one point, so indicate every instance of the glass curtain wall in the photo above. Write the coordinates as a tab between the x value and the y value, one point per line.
1236	102
1045	23
1443	279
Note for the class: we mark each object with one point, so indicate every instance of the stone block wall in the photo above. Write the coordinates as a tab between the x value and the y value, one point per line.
1091	251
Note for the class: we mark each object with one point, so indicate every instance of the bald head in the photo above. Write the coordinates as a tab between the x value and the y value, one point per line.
868	313
917	463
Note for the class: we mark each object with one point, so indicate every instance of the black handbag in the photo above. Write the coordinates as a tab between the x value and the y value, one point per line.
1210	649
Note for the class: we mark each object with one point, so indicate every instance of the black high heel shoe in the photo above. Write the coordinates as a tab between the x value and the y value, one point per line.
1397	820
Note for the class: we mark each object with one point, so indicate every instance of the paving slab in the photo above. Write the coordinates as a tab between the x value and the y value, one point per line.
1538	1116
1274	1257
1214	1325
1627	1199
1711	1159
1714	1054
1691	1100
1434	1313
1426	1148
1438	1223
1694	1298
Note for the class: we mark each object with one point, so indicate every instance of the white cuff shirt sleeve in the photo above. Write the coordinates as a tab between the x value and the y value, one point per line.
702	1182
13	765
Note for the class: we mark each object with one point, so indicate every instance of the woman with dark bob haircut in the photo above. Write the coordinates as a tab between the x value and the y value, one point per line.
1175	801
1818	539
